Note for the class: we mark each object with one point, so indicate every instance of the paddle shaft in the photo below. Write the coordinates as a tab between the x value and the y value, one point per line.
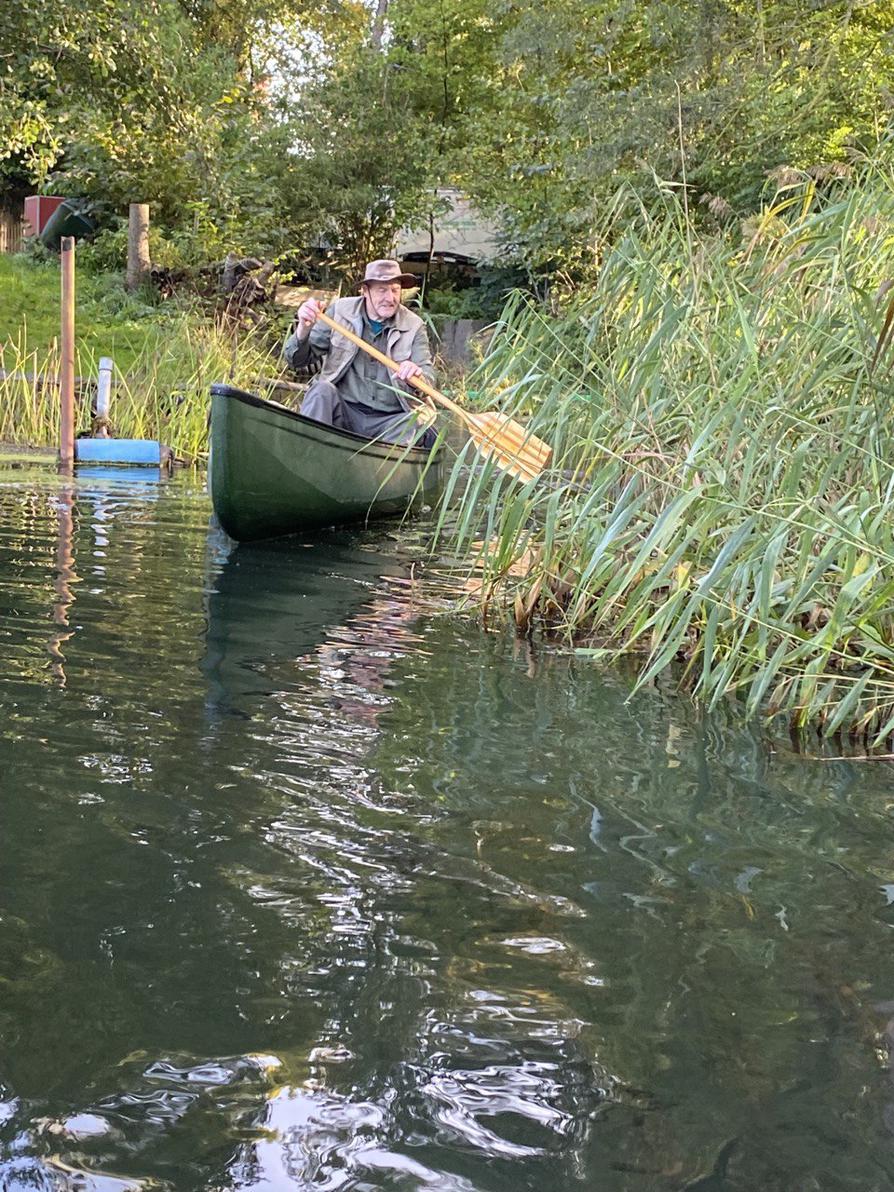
418	382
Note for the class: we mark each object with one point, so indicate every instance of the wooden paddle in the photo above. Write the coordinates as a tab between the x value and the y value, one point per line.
496	436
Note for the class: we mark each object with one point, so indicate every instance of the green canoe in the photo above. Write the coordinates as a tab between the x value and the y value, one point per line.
275	472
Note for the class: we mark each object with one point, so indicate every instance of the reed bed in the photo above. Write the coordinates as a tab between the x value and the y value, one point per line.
720	506
164	396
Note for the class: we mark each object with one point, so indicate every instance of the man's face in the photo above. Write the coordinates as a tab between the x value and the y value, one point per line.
382	298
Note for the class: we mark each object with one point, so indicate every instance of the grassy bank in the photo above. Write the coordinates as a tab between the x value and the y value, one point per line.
110	323
722	498
165	355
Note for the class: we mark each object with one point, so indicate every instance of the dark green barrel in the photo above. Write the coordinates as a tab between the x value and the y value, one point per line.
66	220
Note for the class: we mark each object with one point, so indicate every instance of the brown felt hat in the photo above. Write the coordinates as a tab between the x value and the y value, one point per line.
389	271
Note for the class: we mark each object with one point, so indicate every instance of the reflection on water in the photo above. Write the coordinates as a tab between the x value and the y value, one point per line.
302	889
65	576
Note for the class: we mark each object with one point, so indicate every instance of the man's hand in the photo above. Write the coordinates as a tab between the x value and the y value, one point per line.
407	371
307	316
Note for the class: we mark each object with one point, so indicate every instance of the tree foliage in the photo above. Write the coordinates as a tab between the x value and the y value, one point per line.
710	93
385	125
156	101
289	123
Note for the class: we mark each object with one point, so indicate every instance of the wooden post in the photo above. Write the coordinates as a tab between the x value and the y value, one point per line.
138	260
66	421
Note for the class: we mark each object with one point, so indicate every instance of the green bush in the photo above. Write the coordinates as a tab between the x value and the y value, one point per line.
482	299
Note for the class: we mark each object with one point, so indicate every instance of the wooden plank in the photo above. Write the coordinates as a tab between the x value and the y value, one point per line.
12	231
42	380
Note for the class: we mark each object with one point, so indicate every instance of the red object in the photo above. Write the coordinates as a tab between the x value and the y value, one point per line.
38	209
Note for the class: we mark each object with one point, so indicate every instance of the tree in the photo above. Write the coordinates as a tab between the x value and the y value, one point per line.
275	121
155	101
593	95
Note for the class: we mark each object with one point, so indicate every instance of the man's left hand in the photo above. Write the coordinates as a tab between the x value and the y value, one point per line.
407	370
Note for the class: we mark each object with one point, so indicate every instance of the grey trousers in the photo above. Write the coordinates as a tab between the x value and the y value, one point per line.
324	403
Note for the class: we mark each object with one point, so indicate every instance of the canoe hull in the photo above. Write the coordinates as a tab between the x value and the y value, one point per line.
274	472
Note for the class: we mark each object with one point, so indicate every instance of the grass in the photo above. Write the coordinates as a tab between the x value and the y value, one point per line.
110	322
721	500
166	357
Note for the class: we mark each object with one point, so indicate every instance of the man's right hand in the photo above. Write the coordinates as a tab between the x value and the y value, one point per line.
307	316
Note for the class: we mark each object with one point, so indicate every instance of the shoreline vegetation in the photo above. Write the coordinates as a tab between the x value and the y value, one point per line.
166	356
719	407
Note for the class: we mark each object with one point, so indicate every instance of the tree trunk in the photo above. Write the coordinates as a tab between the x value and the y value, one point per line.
378	25
138	262
431	253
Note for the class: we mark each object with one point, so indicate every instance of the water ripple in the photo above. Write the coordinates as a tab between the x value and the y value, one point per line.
303	889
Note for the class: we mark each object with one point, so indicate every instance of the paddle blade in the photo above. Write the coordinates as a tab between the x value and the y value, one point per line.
511	446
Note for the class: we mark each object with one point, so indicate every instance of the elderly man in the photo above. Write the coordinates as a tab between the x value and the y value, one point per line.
353	391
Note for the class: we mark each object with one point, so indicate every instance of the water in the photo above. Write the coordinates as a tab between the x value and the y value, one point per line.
302	887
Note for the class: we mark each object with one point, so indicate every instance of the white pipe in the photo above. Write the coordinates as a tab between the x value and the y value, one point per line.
103	395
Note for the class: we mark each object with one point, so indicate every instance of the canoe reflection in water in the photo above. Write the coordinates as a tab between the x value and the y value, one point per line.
426	1066
270	605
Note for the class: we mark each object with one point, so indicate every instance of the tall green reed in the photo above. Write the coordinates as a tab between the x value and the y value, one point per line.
164	395
723	485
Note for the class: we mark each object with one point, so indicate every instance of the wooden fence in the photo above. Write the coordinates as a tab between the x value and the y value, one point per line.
12	229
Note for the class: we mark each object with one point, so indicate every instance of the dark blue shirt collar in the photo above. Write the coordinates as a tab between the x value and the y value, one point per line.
376	325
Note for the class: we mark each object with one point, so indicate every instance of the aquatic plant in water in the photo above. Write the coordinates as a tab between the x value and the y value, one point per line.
721	498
